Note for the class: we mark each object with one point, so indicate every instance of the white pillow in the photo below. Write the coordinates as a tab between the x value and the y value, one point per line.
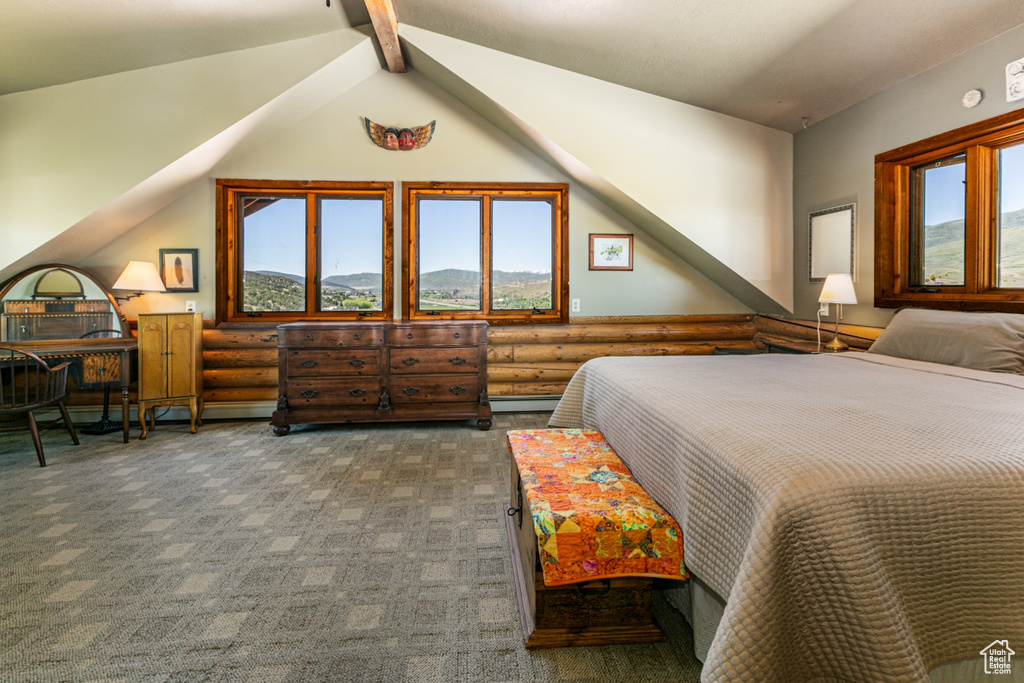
982	341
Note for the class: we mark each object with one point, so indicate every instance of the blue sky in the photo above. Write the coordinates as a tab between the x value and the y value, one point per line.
275	237
450	234
944	188
1011	173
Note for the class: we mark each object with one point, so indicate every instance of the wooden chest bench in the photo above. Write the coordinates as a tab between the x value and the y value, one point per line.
598	612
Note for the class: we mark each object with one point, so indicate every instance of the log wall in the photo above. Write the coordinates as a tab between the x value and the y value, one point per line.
539	360
240	362
771	328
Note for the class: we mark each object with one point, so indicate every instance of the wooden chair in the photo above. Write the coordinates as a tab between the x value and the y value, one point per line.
27	383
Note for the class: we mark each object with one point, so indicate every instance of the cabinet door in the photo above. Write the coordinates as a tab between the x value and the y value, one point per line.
153	358
181	355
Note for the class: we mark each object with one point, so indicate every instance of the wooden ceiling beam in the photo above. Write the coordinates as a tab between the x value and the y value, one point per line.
382	14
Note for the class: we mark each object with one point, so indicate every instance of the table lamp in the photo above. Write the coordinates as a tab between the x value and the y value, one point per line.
838	290
139	277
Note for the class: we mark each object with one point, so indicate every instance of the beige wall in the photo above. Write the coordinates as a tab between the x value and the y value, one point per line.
112	169
722	184
834	159
87	160
331	144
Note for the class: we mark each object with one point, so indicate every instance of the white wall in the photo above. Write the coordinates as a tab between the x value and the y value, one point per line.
723	184
87	160
99	172
331	144
834	159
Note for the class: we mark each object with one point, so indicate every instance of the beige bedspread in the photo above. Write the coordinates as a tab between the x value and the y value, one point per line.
863	516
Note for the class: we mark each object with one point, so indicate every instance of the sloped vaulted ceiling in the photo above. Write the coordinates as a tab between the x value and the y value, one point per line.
711	188
84	162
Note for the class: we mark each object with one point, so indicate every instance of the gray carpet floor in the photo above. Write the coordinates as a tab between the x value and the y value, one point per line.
344	553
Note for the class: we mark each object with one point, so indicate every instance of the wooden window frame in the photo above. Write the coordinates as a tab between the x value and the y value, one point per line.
894	213
558	193
229	247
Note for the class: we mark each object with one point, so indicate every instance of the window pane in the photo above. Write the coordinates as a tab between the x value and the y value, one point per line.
351	255
1011	217
521	248
937	244
448	273
273	253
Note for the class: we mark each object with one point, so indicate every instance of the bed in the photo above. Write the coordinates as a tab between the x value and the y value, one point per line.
847	517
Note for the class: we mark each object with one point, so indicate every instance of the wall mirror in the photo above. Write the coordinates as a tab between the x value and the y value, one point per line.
57	301
831	242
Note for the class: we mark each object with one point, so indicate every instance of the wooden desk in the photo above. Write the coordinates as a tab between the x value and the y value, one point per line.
97	360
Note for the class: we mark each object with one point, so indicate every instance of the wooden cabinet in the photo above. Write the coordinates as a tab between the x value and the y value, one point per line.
379	372
170	364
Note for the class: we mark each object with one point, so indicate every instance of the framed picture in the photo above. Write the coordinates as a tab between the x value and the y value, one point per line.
831	242
611	252
179	269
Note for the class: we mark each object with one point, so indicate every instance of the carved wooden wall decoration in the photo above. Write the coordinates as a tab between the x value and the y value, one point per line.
402	139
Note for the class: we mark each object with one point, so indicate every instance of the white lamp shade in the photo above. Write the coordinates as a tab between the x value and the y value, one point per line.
838	289
140	276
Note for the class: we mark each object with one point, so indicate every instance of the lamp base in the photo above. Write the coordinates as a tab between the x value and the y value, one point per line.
835	345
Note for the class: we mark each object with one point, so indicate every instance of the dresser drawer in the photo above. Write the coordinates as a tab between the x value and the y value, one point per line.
436	335
434	388
333	392
101	368
330	362
436	360
327	337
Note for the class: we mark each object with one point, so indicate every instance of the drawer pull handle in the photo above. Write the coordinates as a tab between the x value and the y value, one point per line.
457	335
355	336
411	361
409	336
310	363
356	392
457	390
357	362
309	337
457	360
310	393
518	510
409	391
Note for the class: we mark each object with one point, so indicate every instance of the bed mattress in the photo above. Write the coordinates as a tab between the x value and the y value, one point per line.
862	516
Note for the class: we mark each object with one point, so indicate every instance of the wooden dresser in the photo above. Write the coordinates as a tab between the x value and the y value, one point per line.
381	372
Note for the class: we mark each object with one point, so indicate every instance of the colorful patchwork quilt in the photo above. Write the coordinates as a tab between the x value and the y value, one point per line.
592	519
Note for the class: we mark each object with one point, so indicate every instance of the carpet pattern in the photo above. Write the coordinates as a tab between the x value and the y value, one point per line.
345	553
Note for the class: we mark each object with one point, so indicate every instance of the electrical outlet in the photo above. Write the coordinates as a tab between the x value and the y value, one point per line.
823	308
190	306
575	307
